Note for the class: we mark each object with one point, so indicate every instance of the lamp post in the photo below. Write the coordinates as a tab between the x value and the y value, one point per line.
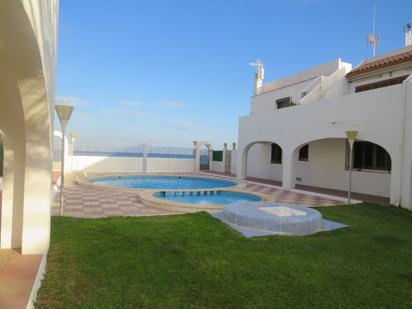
351	136
63	113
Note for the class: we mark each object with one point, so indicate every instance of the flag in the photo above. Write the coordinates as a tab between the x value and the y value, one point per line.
371	39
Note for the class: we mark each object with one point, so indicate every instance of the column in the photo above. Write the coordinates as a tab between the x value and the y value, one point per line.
289	159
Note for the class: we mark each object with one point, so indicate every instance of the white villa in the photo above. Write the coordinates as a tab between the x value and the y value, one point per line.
295	132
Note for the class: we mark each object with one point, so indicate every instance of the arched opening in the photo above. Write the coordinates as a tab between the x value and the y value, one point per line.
262	161
323	166
205	153
202	155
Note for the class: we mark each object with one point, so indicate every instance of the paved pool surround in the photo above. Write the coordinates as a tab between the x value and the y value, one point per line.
273	218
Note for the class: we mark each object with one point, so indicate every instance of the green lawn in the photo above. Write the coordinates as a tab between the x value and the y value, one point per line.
195	261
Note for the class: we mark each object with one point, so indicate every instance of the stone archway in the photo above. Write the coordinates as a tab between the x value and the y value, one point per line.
197	150
322	165
244	154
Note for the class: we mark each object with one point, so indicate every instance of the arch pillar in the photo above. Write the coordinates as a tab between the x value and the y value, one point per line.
241	162
396	181
196	166
38	165
289	158
12	197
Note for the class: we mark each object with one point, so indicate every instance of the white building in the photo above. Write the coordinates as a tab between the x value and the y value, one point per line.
295	132
28	37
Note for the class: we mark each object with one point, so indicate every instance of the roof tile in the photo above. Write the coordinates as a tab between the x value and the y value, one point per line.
381	63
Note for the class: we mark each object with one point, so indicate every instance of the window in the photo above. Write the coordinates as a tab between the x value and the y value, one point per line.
304	153
276	154
284	102
381	84
369	156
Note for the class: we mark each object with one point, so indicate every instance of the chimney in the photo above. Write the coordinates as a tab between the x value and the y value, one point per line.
408	34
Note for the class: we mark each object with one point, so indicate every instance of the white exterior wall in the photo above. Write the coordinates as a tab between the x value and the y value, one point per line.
258	163
326	169
103	164
324	69
324	81
267	101
27	73
376	114
233	165
217	166
406	197
377	78
169	165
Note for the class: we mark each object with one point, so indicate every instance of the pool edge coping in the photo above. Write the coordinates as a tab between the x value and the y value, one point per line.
149	199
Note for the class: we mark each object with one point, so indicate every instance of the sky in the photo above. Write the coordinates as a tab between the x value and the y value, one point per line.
172	71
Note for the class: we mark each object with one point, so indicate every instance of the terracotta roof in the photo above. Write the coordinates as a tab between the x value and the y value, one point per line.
381	63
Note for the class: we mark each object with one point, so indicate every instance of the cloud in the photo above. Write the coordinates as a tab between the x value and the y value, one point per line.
170	104
127	113
131	103
181	125
73	101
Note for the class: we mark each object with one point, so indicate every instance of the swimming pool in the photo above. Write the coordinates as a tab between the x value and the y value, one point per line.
207	198
162	182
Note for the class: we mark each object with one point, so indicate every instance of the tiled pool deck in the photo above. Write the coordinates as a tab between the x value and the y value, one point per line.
91	203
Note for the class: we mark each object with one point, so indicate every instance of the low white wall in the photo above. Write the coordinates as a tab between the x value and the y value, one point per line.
217	167
169	165
104	164
325	168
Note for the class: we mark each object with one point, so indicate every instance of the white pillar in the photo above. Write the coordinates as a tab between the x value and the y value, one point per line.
289	158
241	164
144	159
210	157
12	197
196	166
224	153
396	174
406	181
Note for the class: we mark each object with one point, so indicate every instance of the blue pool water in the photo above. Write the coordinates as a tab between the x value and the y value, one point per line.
206	198
162	182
